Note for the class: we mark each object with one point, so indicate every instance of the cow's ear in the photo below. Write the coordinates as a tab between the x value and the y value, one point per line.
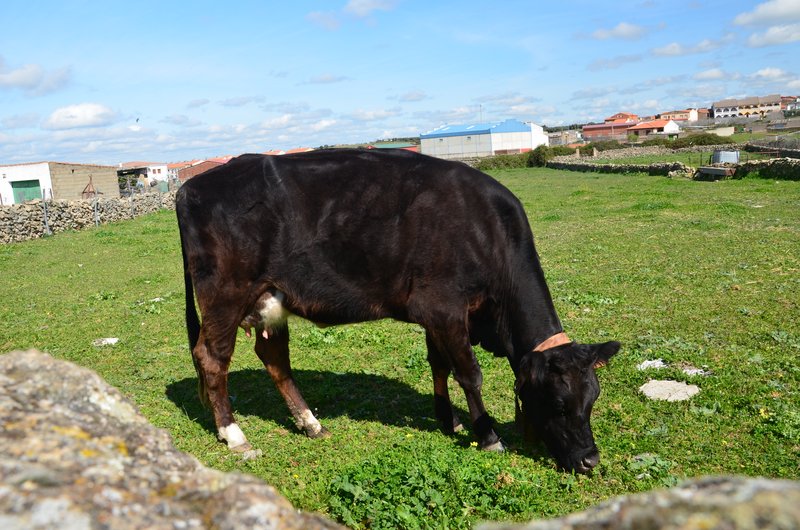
530	369
603	352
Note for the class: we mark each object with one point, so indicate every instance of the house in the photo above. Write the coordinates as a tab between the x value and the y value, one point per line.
56	180
613	128
486	139
751	107
659	127
144	173
199	166
622	117
680	115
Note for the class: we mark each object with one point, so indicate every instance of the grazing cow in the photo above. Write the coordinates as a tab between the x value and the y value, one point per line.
342	236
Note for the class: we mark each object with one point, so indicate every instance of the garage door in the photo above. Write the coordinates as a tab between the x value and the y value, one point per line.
26	190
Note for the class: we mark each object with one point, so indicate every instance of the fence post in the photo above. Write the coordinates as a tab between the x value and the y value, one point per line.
96	212
47	230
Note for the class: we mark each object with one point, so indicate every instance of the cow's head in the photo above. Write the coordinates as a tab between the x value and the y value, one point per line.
557	388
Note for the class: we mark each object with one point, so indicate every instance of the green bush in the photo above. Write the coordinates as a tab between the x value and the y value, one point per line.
700	139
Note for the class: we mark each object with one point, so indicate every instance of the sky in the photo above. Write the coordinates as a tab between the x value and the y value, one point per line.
106	82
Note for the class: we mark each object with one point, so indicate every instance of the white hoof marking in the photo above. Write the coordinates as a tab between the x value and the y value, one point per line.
233	435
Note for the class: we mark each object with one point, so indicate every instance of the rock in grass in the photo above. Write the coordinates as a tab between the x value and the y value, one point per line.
74	453
668	390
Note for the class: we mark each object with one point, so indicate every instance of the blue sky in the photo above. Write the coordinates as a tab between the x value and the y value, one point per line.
113	81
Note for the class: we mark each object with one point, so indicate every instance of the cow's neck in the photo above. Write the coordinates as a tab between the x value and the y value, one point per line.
532	315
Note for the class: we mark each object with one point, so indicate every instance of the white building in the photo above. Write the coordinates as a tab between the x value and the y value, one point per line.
753	107
55	180
467	141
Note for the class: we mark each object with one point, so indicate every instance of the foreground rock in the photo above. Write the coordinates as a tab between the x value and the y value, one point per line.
723	503
75	454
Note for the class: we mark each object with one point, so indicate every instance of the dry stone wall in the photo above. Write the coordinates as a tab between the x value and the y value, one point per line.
20	222
75	453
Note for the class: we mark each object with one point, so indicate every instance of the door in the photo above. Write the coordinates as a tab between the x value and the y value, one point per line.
26	190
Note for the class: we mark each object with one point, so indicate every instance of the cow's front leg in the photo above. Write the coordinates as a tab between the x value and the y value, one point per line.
442	405
274	353
453	342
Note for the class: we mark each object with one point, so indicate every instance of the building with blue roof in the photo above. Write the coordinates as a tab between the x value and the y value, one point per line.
485	139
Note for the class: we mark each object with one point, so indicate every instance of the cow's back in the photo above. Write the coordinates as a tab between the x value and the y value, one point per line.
351	234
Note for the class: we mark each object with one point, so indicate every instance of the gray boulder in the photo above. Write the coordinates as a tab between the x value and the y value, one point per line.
76	454
718	503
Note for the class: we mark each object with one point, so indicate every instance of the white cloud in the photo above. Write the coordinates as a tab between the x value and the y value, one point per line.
321	125
770	74
196	103
372	115
614	62
794	85
326	79
364	8
324	19
281	122
770	12
181	120
711	74
675	49
33	79
413	96
241	101
775	35
79	116
623	30
21	121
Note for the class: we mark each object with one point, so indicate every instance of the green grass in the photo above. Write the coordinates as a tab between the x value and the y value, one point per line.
706	274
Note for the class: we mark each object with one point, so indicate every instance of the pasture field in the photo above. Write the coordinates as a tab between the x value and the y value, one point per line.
696	274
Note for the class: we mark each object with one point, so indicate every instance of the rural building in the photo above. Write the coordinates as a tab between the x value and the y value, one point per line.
466	141
755	107
613	128
56	180
197	167
680	115
658	127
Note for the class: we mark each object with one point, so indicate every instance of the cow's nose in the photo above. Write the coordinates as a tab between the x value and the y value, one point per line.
591	460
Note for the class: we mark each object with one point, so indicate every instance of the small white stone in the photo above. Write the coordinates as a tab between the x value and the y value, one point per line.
656	363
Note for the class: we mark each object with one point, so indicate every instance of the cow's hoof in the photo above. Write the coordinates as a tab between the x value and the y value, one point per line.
321	433
497	447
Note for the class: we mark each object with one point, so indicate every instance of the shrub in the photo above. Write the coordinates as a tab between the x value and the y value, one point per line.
700	139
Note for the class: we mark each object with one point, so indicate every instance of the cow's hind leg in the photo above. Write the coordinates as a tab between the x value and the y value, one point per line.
442	405
212	358
274	353
451	339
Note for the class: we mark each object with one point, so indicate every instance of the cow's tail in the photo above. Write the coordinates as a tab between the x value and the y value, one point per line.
192	319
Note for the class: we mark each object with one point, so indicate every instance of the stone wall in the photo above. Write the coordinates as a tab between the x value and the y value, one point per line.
776	168
20	222
75	453
665	169
721	503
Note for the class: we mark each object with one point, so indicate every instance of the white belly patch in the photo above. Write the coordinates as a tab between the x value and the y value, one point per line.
267	315
270	308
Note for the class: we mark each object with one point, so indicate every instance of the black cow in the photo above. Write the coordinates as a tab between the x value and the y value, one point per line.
342	236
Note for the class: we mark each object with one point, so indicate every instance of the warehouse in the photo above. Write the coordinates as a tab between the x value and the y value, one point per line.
469	141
